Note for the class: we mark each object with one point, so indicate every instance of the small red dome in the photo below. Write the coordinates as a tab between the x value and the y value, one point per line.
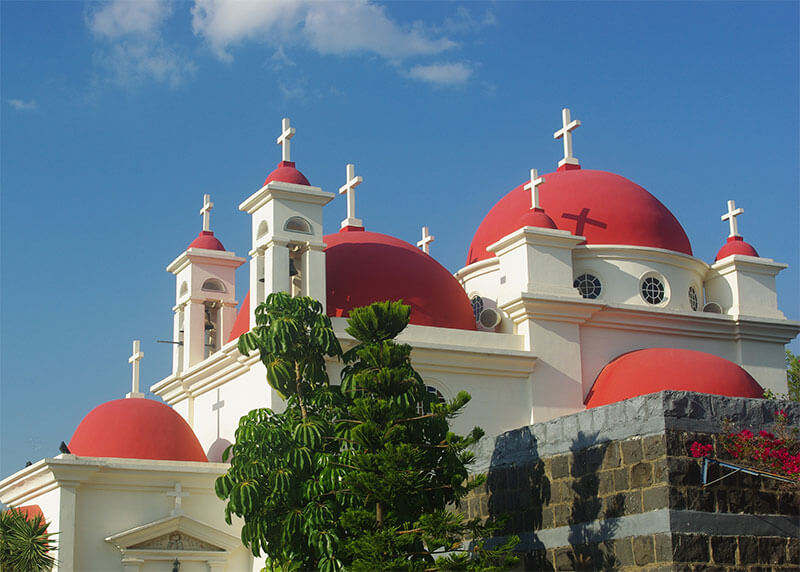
604	207
735	245
136	428
285	172
366	267
657	369
537	218
242	322
207	240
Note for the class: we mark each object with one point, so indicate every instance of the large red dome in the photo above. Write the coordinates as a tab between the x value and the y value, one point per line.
657	369
604	207
366	267
136	428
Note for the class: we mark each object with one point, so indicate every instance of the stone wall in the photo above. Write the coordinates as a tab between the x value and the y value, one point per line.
616	488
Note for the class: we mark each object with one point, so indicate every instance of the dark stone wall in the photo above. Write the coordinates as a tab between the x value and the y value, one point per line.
636	501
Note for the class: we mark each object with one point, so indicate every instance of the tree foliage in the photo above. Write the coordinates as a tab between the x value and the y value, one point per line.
25	544
358	476
793	375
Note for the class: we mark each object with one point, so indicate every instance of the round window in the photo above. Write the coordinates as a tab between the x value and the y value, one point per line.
693	298
652	290
587	285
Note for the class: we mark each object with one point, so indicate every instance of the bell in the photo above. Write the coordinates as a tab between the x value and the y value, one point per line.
292	270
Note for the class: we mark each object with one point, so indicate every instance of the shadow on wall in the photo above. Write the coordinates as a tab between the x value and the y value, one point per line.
560	495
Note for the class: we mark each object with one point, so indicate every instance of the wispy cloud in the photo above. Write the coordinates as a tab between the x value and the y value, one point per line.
23	105
132	49
465	22
326	27
442	74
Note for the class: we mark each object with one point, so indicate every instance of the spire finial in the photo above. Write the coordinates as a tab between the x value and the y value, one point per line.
427	238
567	127
134	361
285	140
533	187
730	216
206	212
349	188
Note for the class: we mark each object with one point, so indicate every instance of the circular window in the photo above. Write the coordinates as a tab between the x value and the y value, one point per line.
477	307
588	286
652	290
693	298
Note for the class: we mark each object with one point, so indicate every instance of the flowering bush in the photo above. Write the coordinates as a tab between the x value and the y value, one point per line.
777	452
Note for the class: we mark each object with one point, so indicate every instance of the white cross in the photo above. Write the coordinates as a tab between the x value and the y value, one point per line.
350	188
206	212
730	216
568	126
178	494
425	243
134	360
285	140
216	407
533	187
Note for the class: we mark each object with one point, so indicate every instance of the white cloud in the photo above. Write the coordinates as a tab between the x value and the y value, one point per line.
326	27
132	48
23	105
465	22
442	74
126	17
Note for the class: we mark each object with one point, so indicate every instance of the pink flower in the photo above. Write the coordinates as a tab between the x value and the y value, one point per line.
766	434
700	450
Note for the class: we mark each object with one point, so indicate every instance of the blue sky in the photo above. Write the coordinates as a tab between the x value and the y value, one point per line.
118	117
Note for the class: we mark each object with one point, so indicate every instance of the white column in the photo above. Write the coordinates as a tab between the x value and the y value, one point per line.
315	274
65	545
194	334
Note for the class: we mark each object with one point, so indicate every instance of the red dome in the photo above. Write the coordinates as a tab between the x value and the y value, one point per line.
735	245
136	428
366	267
536	217
285	172
604	207
648	371
207	240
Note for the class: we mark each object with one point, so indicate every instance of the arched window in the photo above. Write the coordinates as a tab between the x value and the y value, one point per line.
213	285
184	289
298	224
263	228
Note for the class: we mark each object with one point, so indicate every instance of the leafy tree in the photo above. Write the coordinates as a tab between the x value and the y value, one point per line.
404	465
25	544
793	375
282	480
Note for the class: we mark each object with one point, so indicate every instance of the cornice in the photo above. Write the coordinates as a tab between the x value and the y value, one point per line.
281	190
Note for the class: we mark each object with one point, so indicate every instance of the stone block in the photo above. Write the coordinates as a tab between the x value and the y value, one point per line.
789	503
654	446
723	549
537	560
631	451
677	498
560	466
772	550
621	479
564	559
612	457
748	550
765	502
614	506
793	550
641	475
623	551
643	550
721	496
663	547
655	498
690	548
562	514
700	499
676	443
547	517
605	483
683	471
633	502
660	470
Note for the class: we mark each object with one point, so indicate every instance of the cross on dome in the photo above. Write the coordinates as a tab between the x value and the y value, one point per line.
427	238
178	494
206	212
350	189
285	140
134	361
730	216
568	126
533	187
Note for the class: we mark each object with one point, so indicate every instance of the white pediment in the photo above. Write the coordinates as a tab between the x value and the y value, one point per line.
178	533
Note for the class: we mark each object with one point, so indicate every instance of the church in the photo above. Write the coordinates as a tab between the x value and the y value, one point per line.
579	290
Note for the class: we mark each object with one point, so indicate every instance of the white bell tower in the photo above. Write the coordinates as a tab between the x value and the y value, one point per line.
287	253
205	296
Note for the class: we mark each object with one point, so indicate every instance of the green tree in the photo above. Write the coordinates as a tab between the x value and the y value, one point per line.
25	544
404	465
793	375
282	480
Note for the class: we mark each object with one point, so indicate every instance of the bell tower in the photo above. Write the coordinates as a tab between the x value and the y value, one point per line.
287	253
205	296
